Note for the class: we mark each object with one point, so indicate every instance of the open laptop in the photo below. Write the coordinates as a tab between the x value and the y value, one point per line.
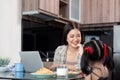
31	60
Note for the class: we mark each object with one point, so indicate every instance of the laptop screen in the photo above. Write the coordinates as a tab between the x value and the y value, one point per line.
31	60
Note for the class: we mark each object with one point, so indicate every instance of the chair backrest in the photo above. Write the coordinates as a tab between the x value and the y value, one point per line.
116	73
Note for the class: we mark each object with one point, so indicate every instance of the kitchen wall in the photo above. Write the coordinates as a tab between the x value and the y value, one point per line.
10	29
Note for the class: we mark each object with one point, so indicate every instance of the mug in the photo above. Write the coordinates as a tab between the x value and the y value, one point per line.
19	67
19	74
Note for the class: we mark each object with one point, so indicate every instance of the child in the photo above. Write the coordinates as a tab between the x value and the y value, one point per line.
96	60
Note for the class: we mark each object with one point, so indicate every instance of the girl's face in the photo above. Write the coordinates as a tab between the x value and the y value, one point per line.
74	38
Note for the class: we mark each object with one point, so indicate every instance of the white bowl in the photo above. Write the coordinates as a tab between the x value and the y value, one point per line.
3	69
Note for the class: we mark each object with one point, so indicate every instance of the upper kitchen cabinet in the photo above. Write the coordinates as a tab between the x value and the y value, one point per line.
70	9
64	9
29	5
61	9
100	11
41	8
50	6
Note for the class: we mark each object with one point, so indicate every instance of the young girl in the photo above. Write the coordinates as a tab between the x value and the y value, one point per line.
96	60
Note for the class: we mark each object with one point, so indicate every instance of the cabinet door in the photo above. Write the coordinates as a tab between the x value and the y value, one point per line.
29	5
117	10
98	11
75	10
51	6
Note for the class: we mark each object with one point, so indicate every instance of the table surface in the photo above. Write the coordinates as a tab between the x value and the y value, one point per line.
28	76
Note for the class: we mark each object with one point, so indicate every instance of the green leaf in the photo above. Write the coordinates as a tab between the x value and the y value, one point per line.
4	61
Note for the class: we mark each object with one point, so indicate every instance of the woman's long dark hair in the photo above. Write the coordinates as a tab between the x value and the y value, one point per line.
95	50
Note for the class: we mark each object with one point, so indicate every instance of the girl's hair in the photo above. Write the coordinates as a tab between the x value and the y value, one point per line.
67	28
96	50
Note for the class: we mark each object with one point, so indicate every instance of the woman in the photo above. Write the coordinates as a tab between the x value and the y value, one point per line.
96	60
70	52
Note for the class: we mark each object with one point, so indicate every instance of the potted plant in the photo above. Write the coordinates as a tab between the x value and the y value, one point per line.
4	61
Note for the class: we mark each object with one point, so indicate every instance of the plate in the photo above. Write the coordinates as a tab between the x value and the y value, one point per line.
73	73
44	75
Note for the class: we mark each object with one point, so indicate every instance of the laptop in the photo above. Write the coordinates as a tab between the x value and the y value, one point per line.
31	60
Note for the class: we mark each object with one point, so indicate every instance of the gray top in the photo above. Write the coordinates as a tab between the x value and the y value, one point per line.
60	56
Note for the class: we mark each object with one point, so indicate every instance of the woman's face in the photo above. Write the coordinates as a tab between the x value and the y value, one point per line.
74	38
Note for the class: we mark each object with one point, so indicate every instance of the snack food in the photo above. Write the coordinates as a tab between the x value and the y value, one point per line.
73	72
44	71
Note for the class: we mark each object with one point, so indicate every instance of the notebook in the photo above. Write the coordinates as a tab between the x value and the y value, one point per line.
31	60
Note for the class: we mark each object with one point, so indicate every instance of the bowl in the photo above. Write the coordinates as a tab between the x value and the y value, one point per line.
3	69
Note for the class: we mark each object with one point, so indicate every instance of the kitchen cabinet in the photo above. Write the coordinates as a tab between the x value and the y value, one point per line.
91	11
58	8
29	5
100	11
64	9
70	9
50	7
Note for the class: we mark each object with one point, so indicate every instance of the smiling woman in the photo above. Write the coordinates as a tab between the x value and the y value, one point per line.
70	52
